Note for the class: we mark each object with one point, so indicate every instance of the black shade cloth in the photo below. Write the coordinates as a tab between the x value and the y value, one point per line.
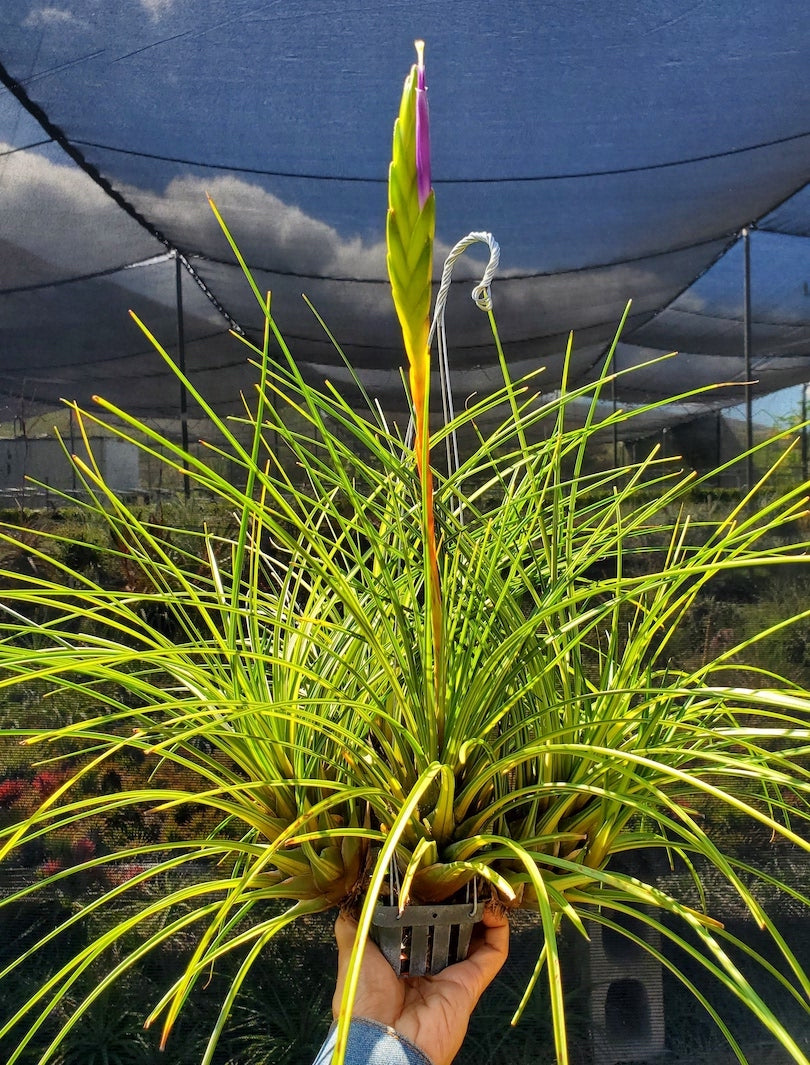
616	153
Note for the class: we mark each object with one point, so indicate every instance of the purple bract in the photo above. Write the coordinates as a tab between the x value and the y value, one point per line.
422	128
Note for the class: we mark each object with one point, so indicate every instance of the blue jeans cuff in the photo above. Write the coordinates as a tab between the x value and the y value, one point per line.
372	1043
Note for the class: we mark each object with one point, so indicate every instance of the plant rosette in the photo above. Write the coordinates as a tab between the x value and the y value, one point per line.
460	674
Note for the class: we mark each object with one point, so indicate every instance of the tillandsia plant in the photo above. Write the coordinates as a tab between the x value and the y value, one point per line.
464	676
410	231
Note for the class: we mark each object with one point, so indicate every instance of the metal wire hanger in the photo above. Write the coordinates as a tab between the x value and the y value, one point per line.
482	297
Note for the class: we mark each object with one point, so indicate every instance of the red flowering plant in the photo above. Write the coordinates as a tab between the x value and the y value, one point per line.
10	791
46	782
388	671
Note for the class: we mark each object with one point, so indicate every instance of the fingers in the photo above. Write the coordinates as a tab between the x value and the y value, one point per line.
489	948
345	933
488	951
379	993
497	931
494	918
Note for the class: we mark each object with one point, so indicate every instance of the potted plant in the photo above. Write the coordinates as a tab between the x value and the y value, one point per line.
393	678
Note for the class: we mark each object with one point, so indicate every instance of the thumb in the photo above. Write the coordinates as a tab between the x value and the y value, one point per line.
345	935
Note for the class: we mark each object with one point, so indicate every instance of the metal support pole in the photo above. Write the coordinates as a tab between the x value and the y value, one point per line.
615	423
804	431
181	362
73	484
749	415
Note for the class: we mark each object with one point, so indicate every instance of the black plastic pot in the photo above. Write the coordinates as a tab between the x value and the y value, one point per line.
422	940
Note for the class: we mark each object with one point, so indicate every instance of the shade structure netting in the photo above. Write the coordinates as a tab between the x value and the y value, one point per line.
617	152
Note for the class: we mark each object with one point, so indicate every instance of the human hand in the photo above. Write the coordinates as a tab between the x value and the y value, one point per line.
433	1012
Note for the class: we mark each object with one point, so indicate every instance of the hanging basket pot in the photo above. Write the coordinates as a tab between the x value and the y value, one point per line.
423	940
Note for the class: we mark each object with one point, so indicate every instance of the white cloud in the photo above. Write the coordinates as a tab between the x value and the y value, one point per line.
157	8
268	230
53	212
48	16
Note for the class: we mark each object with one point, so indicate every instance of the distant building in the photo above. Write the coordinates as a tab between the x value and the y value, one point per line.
29	464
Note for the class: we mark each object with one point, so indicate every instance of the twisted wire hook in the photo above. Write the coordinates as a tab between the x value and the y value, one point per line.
481	293
482	297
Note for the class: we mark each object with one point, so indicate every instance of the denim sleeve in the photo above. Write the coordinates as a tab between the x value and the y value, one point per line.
371	1043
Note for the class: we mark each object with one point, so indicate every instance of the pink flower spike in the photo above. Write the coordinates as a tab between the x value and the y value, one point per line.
422	128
